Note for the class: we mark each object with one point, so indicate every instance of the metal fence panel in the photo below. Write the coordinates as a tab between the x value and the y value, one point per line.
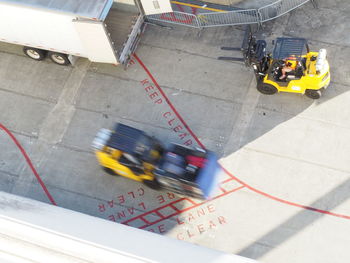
279	8
237	17
228	18
175	17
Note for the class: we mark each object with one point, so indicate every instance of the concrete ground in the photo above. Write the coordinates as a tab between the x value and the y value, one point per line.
286	190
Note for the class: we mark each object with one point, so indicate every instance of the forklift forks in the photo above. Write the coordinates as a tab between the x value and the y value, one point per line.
253	51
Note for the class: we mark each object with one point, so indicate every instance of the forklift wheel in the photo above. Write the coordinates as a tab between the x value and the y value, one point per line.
266	89
313	94
152	184
109	171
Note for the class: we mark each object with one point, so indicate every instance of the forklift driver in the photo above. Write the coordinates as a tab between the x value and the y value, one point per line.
288	67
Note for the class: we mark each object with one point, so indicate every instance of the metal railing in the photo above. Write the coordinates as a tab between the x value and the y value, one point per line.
278	9
237	17
179	18
228	18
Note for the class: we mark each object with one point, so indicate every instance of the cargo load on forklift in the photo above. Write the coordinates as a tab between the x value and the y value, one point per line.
130	152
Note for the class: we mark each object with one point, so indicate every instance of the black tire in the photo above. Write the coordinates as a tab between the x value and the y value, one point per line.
313	94
152	184
59	58
267	89
109	171
34	53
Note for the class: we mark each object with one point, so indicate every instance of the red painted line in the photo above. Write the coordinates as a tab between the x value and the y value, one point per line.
189	208
168	101
144	220
150	212
286	201
159	214
227	180
190	200
177	211
227	192
222	189
227	172
174	207
29	163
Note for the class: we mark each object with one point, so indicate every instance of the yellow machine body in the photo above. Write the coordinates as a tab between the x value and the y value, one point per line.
310	79
109	158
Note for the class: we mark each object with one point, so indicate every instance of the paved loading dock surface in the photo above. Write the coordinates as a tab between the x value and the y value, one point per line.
285	154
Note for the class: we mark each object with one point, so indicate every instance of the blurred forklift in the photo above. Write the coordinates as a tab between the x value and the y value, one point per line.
291	67
131	153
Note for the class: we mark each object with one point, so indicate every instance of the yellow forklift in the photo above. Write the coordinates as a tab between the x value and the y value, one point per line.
291	67
131	153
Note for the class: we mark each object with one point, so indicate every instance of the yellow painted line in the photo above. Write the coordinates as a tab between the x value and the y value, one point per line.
198	6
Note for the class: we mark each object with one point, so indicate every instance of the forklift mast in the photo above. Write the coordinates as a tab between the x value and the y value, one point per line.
253	51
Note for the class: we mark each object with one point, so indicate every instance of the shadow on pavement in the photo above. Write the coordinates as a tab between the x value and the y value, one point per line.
297	223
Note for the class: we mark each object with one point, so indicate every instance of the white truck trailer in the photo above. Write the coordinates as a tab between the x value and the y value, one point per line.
100	30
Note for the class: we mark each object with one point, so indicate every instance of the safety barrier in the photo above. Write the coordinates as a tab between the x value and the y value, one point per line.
228	18
237	17
278	9
179	18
